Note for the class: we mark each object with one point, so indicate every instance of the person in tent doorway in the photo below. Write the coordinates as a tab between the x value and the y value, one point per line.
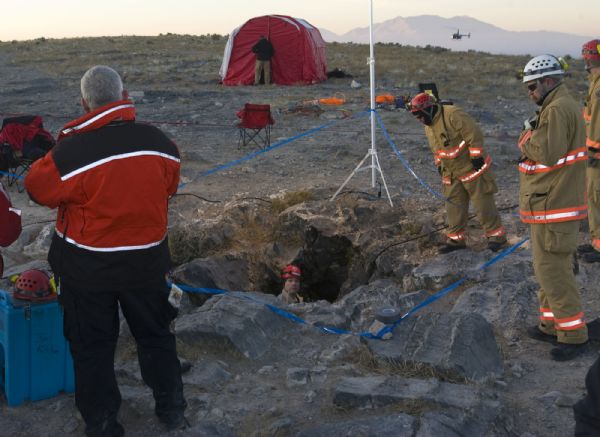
292	275
552	200
457	145
10	223
111	179
591	113
263	50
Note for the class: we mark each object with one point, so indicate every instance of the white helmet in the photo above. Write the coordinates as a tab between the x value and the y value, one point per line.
542	66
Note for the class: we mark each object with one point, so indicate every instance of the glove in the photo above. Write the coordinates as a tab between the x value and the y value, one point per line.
531	122
525	135
477	163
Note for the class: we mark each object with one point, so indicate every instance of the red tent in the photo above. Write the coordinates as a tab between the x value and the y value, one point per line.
299	51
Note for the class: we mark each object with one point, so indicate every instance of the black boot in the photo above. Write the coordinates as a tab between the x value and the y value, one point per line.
594	330
566	352
174	420
585	248
534	333
450	247
591	257
495	246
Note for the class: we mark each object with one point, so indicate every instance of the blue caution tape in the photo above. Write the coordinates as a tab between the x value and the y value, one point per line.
404	161
12	175
338	331
390	328
273	146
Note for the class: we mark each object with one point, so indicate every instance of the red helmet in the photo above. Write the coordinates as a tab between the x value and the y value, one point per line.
33	285
591	50
420	102
291	271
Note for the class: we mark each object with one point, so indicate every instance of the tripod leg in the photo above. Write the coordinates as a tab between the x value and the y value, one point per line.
351	174
383	180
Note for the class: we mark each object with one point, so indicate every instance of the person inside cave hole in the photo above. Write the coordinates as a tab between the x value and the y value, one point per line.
291	287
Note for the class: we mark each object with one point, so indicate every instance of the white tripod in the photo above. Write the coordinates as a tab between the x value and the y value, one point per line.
372	152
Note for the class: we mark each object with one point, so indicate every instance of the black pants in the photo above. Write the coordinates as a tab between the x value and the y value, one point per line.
91	324
587	410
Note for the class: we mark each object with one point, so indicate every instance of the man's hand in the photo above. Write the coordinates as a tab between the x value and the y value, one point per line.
477	163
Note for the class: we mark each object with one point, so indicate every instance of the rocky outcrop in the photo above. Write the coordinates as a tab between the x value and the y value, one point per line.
456	345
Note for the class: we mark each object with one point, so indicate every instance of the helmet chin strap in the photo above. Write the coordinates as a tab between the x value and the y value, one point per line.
429	114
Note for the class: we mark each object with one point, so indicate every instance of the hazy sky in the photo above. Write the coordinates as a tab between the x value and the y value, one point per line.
67	18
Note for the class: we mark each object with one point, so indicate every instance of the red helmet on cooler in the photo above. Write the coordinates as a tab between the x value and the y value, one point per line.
33	285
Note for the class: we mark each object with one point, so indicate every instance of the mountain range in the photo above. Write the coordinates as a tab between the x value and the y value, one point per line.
433	30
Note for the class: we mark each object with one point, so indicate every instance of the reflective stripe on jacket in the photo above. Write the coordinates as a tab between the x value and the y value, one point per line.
552	169
565	324
455	138
110	179
530	167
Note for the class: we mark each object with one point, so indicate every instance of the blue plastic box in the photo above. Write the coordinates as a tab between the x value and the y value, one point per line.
35	361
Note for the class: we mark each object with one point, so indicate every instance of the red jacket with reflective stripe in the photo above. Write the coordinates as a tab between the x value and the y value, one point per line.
111	179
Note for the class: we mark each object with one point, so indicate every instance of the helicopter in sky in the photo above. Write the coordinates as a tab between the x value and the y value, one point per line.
458	35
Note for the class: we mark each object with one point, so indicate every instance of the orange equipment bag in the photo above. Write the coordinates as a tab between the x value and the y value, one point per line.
337	99
387	99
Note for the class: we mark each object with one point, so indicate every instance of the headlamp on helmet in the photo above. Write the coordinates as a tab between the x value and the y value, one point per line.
291	271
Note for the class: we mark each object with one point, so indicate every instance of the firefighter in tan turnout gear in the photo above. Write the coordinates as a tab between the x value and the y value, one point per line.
552	200
457	145
591	114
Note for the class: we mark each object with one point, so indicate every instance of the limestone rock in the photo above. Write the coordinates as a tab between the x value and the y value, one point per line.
459	344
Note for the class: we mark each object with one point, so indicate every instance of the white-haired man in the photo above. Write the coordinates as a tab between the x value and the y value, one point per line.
552	200
111	179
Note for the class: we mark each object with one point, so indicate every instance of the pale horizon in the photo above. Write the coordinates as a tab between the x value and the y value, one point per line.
68	18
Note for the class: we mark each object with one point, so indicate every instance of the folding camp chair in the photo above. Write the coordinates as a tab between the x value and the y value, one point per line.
255	125
23	140
13	166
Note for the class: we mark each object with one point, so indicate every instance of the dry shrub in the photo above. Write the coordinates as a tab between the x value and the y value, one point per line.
250	232
184	244
290	199
406	369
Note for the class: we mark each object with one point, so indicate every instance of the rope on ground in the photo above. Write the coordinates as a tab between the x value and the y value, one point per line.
404	161
271	147
333	330
390	328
